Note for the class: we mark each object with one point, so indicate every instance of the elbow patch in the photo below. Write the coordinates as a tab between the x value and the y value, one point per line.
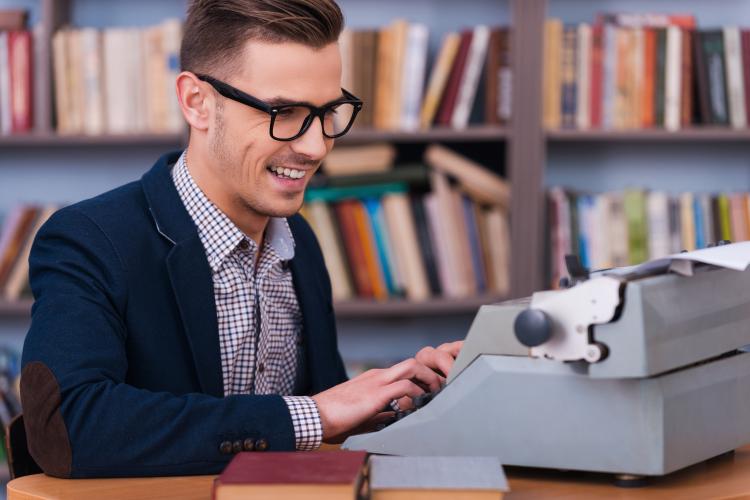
46	433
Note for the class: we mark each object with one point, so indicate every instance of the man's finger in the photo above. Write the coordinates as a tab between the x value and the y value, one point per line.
400	389
436	359
414	370
452	348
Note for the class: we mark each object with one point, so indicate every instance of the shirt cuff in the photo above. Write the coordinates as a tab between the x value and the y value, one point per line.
308	430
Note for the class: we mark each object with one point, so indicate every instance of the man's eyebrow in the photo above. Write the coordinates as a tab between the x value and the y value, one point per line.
282	101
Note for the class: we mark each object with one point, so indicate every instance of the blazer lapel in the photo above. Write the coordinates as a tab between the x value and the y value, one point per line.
189	273
192	286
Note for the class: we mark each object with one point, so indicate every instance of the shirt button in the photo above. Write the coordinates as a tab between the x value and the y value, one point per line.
225	448
244	245
261	368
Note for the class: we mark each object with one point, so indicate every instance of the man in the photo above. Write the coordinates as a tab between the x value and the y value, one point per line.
186	317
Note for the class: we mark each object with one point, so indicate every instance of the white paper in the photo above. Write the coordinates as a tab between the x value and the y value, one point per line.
732	256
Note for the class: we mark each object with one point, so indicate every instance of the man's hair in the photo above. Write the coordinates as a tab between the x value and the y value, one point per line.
216	30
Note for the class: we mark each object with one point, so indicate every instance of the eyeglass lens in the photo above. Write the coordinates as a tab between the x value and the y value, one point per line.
291	119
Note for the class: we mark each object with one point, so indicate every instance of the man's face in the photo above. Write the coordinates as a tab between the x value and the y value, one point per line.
244	153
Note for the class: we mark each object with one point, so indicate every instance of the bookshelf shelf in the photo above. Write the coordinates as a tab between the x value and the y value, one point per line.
477	133
57	140
705	134
404	308
344	310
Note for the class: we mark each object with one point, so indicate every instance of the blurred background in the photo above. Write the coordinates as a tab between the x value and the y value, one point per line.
497	136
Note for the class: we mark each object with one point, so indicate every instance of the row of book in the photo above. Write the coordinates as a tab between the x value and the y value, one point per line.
16	72
387	69
626	228
415	231
17	233
632	71
117	80
349	475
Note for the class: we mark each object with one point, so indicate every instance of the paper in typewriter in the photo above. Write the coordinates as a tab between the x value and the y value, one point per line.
733	256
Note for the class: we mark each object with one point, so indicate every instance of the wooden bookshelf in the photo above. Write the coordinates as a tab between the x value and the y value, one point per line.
700	134
474	133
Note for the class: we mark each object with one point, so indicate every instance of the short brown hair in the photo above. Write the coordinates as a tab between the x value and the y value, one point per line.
216	30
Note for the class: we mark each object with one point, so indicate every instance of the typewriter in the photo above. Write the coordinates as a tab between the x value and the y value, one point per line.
634	371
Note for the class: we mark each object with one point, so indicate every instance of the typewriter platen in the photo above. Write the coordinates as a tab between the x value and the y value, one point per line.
632	371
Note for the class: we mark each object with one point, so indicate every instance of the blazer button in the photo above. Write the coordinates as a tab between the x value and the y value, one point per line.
225	448
248	444
261	445
300	340
261	368
237	447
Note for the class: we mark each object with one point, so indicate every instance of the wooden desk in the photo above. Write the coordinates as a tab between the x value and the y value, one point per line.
725	477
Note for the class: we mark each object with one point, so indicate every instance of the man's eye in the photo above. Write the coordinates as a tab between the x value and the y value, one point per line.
285	112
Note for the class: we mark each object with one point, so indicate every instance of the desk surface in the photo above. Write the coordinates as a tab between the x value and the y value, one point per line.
724	477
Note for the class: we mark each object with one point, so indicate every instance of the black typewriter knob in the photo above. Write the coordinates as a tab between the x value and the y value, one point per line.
533	327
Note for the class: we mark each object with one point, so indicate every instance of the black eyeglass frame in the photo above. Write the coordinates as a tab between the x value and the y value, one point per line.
238	95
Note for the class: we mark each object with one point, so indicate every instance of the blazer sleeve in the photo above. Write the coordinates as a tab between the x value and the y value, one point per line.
81	418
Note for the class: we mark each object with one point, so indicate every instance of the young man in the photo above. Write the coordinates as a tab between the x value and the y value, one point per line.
187	316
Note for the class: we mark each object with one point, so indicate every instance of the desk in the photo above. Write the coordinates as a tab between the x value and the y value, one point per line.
724	477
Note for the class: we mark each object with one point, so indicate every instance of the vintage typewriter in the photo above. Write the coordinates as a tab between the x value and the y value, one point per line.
635	371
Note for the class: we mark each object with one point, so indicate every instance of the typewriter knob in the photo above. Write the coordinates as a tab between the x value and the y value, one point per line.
533	327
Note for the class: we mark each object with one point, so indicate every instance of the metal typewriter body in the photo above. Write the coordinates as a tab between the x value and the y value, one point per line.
646	380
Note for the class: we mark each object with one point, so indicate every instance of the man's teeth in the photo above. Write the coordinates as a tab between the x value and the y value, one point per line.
287	172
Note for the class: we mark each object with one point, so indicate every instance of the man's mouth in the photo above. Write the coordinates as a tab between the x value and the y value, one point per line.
286	173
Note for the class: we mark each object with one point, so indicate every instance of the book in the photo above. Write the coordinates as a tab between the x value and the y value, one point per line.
322	475
435	478
320	218
450	95
404	238
477	181
734	77
439	78
498	78
553	30
20	59
469	85
415	64
353	160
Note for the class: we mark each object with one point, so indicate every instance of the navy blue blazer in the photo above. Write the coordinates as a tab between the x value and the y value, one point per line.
121	367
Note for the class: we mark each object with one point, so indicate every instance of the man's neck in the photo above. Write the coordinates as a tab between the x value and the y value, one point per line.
247	220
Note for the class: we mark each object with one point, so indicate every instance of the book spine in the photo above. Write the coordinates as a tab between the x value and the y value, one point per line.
734	77
20	61
597	52
568	78
672	79
661	78
470	81
687	97
583	78
448	103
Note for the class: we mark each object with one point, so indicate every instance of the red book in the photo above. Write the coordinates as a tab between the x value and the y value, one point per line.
597	53
454	80
745	34
20	62
649	78
346	215
686	106
329	475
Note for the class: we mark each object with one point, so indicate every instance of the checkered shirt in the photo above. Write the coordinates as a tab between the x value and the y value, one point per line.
259	319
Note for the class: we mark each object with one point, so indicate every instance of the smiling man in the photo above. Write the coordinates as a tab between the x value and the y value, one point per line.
187	316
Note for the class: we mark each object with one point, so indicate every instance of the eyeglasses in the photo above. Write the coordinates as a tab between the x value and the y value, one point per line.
290	121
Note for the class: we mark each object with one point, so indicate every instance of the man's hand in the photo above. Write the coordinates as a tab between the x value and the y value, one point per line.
356	405
441	359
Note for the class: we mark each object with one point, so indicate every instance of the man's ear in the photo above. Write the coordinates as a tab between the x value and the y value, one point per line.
196	100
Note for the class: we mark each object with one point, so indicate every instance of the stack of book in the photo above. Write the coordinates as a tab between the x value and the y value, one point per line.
626	228
117	80
633	71
16	62
413	231
17	234
387	69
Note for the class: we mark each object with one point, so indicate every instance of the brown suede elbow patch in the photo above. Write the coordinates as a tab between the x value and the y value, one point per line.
46	433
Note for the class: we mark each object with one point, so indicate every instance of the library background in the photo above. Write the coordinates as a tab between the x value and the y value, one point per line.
511	131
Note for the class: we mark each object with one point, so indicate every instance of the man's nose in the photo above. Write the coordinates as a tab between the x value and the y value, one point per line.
313	144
